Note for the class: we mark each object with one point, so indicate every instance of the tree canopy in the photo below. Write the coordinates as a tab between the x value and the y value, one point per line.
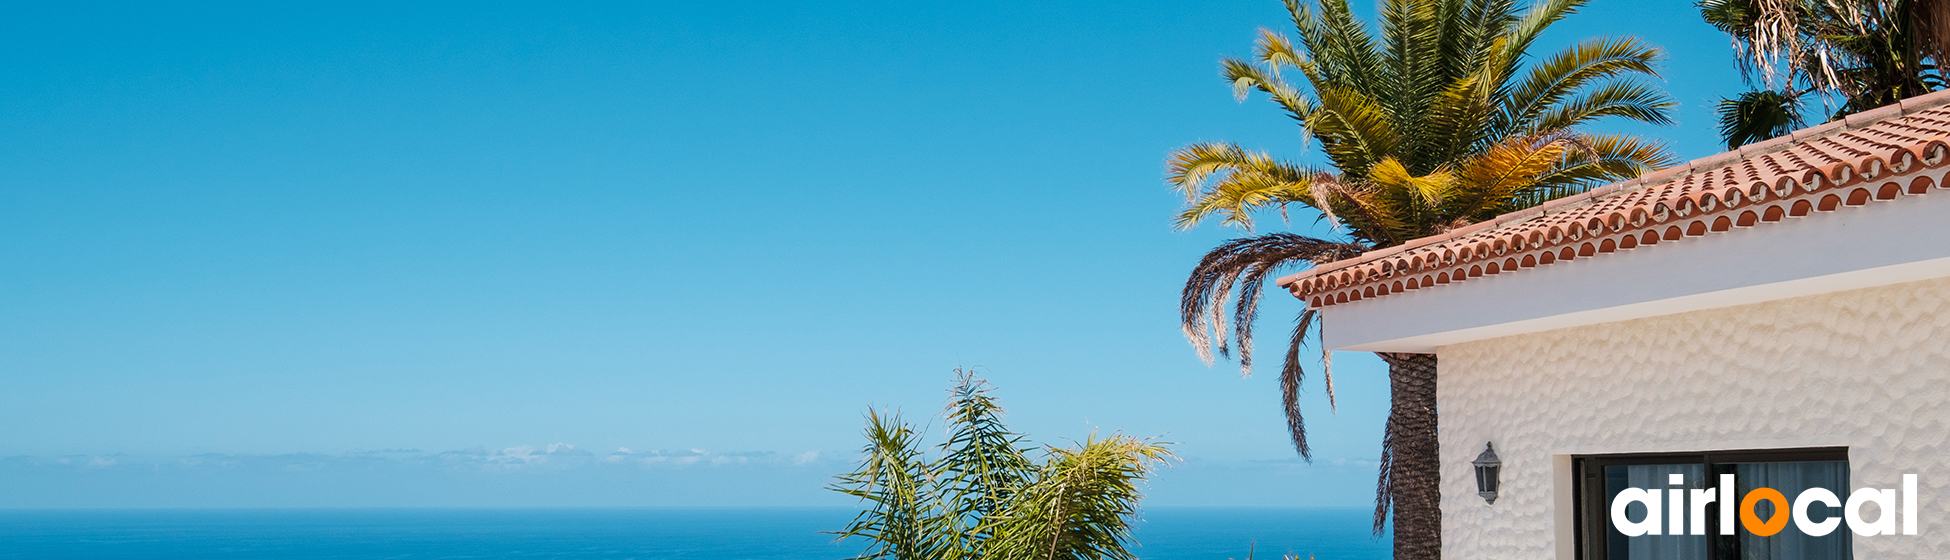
1849	55
1436	118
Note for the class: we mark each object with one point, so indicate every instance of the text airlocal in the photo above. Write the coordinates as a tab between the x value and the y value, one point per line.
1676	510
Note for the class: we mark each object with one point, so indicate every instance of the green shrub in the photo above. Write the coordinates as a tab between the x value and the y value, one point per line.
983	497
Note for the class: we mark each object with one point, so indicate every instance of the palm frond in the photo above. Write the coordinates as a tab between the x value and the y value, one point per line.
1211	281
1355	130
983	499
1434	116
1608	158
1276	51
1412	30
1343	50
1932	28
1246	77
1428	123
1539	17
1510	167
1292	374
1565	73
1459	120
1757	116
982	463
1220	179
1082	503
1363	208
1625	99
899	522
1767	35
1429	190
1473	37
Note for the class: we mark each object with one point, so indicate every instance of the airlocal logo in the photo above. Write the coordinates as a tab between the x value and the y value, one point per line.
1884	524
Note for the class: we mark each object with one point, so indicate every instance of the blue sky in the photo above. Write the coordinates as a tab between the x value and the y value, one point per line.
392	254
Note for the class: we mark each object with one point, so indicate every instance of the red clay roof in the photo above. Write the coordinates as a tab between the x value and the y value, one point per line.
1842	164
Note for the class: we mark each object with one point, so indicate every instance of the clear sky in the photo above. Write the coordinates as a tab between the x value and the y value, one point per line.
258	254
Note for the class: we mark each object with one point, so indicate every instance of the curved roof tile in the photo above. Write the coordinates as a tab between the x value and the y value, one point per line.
1842	164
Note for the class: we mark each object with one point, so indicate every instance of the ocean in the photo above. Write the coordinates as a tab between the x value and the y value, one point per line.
598	533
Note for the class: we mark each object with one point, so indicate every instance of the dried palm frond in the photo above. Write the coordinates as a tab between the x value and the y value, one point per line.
1852	55
1435	117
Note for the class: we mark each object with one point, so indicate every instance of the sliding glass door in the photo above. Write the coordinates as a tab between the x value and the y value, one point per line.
1604	480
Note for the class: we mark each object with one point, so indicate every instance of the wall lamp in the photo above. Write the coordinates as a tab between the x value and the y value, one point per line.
1488	468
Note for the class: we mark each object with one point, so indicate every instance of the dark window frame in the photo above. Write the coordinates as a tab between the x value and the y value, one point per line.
1590	515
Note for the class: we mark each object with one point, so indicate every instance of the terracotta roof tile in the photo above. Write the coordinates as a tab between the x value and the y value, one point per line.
1875	155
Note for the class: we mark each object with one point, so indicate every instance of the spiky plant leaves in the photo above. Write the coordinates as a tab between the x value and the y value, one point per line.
1246	183
982	465
1436	117
1609	155
1249	262
902	520
1081	504
1757	116
1867	53
1292	375
1431	123
984	499
1564	74
1768	35
1254	259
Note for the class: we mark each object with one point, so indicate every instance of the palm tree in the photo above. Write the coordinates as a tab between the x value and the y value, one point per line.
1433	122
1867	53
983	498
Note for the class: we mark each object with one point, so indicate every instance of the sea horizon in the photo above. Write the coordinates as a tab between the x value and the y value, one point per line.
649	532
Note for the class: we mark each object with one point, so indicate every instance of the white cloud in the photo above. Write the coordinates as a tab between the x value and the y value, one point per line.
807	457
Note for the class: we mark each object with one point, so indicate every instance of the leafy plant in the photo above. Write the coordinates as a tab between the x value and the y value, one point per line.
982	497
1437	118
1853	55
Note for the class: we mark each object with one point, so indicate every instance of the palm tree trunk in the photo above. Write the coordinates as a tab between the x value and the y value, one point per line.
1411	478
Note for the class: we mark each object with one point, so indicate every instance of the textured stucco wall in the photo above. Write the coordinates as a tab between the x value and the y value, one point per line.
1868	369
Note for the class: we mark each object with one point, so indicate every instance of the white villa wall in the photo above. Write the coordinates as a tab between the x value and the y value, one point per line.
1868	369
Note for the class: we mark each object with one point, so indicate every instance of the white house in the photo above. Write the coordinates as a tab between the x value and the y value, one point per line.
1780	313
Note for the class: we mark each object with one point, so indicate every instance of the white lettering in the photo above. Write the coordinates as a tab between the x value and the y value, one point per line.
1885	501
1811	496
1727	504
1678	514
1648	498
1909	504
1657	511
1701	497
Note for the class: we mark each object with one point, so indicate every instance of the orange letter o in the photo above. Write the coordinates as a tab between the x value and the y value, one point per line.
1774	523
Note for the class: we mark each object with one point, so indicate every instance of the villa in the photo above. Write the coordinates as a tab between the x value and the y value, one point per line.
1780	314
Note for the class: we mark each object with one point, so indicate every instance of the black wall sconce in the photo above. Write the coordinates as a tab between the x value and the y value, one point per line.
1488	468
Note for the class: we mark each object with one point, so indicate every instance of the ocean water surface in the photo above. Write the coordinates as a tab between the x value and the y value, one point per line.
591	533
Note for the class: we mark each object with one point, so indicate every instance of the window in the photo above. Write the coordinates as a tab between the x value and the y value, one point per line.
1601	478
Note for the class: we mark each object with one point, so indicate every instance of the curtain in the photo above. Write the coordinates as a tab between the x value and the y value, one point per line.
1663	546
1791	479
